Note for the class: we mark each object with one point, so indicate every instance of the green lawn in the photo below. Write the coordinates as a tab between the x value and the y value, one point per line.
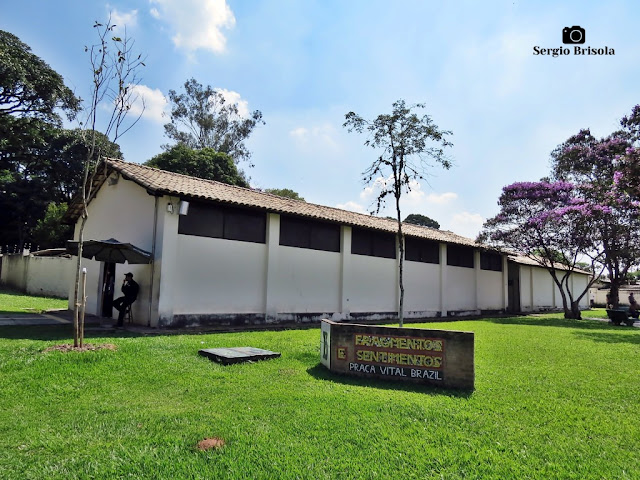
553	399
15	302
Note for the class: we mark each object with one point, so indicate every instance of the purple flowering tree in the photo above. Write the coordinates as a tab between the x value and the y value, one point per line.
549	222
601	171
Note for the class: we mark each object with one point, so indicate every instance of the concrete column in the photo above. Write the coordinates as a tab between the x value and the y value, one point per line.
476	268
505	283
443	280
345	271
165	262
272	262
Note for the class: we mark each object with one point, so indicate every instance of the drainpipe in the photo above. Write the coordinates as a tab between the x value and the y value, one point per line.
153	257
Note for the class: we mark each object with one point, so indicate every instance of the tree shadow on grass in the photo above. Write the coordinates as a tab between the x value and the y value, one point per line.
320	372
610	337
553	321
59	333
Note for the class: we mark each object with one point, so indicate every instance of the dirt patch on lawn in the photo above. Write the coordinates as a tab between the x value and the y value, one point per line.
87	347
210	443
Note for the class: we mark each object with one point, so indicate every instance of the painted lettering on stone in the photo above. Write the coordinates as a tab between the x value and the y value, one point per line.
398	356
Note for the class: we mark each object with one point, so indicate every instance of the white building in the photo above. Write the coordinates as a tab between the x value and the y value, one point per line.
229	255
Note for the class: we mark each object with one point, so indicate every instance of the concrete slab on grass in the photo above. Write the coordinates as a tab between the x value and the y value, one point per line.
227	356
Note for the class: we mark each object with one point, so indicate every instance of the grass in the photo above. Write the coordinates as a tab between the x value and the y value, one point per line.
16	302
554	398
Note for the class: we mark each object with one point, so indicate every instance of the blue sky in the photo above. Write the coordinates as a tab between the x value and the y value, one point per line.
305	64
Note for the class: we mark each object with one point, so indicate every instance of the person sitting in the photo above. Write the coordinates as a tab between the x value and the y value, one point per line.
633	310
130	289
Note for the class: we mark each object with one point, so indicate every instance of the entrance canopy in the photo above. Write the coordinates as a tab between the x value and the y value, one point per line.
110	251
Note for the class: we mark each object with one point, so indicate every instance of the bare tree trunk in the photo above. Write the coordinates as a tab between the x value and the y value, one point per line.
401	264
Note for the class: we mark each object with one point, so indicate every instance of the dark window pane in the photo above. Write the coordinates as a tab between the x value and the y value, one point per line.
325	236
304	233
491	261
418	250
372	243
203	221
361	242
294	232
459	256
384	245
245	225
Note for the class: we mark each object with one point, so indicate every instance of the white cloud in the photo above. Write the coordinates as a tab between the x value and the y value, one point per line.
234	98
466	224
148	102
124	19
316	137
299	132
441	198
197	24
352	207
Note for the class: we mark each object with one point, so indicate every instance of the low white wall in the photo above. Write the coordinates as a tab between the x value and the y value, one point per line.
307	281
461	289
490	290
46	276
421	287
219	276
372	284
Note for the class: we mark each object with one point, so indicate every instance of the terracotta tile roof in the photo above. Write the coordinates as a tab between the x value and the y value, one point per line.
524	260
167	183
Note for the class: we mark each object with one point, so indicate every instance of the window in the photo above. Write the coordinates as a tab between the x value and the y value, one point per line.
419	250
217	221
459	256
490	261
304	233
372	243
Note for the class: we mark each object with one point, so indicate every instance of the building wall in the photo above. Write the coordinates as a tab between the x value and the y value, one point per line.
422	287
538	291
372	284
200	279
219	276
461	289
307	281
124	211
491	290
46	276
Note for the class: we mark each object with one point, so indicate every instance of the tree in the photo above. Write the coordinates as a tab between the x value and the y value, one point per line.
49	231
28	86
114	68
31	97
285	192
203	163
407	143
41	168
202	118
595	166
550	223
422	220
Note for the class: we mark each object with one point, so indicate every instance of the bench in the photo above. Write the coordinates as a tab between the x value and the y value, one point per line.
620	315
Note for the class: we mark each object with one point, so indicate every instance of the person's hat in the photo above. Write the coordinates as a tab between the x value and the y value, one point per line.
128	274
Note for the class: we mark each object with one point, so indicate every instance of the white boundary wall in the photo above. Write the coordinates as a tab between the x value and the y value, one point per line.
45	276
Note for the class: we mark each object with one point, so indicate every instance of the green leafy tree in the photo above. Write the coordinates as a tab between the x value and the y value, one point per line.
28	86
285	192
422	220
407	146
202	118
49	231
32	95
203	163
